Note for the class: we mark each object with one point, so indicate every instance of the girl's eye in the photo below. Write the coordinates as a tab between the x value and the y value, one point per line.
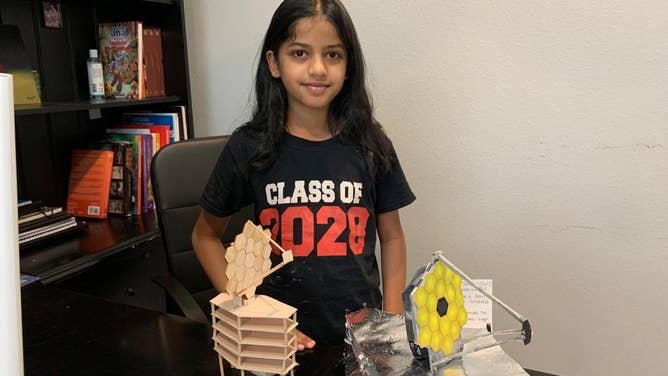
333	55
299	53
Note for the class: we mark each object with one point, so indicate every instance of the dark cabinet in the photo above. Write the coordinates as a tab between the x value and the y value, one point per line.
125	277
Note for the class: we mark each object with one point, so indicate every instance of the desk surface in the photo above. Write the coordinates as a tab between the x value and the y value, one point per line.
64	256
66	333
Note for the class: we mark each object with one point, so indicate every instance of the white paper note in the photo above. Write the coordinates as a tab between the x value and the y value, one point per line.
478	306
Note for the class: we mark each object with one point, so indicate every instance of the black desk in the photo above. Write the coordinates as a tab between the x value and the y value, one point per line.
66	333
57	259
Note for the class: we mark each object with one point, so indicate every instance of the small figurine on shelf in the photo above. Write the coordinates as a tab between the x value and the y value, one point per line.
253	332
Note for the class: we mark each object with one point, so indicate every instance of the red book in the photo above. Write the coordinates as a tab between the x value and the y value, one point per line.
155	76
90	180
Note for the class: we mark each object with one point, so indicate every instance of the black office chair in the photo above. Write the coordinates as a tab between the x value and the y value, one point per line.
179	172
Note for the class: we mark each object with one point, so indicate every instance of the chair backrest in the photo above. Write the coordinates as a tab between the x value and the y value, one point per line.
180	172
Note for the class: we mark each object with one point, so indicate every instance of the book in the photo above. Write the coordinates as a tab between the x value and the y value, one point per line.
155	75
148	118
29	207
148	203
137	163
44	212
150	142
161	130
61	224
120	190
51	233
14	60
48	231
89	183
129	130
180	110
121	52
46	221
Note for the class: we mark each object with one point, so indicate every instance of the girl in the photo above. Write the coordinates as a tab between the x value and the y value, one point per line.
321	172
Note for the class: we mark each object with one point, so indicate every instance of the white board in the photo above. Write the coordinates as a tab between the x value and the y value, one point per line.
11	343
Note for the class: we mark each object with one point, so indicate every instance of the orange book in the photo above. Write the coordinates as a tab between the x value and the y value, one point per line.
90	181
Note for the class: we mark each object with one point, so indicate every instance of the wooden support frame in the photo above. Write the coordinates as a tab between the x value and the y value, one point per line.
253	332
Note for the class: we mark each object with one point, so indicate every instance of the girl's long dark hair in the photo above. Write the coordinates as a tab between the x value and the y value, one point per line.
351	111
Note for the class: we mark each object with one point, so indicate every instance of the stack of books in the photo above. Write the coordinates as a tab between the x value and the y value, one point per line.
134	142
38	222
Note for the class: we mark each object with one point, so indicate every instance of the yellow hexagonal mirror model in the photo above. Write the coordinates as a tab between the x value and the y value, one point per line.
435	314
438	306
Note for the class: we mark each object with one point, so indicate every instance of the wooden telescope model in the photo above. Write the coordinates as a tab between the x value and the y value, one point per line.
253	332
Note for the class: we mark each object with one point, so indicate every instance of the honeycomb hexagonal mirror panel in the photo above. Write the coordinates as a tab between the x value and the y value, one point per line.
247	260
437	304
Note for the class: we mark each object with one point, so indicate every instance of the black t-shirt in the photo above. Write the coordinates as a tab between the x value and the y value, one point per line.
319	200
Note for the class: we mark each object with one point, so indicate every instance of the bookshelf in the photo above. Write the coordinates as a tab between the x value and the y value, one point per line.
67	119
83	105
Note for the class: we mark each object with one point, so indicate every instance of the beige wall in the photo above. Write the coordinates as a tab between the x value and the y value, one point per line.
534	134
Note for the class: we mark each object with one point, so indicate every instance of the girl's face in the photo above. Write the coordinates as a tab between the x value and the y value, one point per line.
312	65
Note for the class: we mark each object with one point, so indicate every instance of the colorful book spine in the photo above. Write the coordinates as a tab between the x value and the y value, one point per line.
135	187
147	157
120	191
169	119
182	114
161	130
150	142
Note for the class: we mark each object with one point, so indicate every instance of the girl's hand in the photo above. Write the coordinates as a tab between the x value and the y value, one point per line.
304	341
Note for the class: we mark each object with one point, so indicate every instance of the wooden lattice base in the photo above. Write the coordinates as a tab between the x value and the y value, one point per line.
258	335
